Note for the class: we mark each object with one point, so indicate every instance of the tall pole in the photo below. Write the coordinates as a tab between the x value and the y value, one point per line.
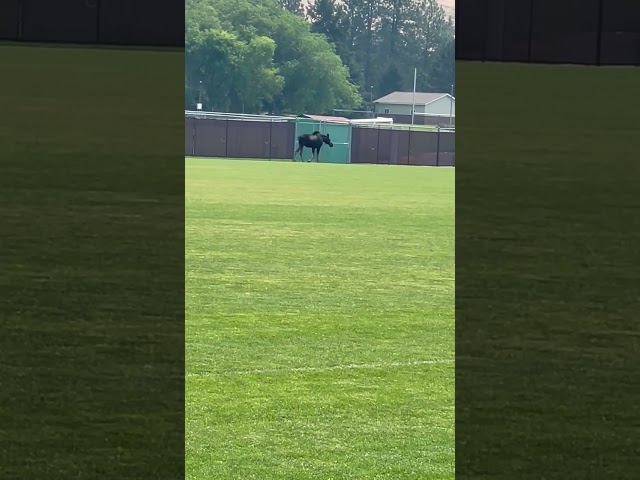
371	100
413	104
451	107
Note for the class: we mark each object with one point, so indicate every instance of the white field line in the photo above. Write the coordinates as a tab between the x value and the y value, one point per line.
350	366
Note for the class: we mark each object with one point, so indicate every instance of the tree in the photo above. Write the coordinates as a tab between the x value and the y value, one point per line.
235	75
329	18
260	56
382	41
316	80
391	80
442	65
293	6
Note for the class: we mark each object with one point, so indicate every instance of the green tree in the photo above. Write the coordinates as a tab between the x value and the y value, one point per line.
382	41
331	19
392	80
262	56
235	75
293	6
442	64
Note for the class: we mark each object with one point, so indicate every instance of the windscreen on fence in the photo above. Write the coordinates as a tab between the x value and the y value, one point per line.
593	32
74	21
340	137
122	22
221	137
423	148
447	149
364	145
567	33
257	137
389	146
189	136
620	32
210	138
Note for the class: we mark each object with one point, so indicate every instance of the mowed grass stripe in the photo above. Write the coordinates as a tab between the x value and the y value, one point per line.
351	366
320	320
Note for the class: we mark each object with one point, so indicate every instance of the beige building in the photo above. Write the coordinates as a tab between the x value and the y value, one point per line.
431	108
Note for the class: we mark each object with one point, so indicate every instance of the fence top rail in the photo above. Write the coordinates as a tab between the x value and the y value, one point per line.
237	116
412	128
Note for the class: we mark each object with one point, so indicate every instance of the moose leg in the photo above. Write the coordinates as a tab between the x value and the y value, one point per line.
318	154
300	148
313	154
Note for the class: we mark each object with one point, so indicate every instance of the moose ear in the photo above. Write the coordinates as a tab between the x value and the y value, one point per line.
327	135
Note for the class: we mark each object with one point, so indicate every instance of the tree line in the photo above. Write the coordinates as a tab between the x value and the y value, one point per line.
281	56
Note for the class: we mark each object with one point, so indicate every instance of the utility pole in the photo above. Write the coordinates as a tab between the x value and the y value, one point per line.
413	107
451	107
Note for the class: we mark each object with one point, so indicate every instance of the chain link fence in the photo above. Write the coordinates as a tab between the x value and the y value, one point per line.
275	138
403	146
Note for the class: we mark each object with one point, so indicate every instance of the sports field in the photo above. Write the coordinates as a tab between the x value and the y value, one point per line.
319	321
547	222
89	336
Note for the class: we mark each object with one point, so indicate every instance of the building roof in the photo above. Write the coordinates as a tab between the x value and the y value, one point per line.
406	98
325	118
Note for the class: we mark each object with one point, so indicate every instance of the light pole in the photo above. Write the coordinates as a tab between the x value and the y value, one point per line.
371	98
451	107
199	106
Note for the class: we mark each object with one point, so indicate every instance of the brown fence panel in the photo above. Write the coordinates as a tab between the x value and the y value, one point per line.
401	139
621	35
384	146
423	148
282	140
568	33
9	19
68	21
471	29
189	136
248	139
447	149
517	23
364	145
210	138
140	22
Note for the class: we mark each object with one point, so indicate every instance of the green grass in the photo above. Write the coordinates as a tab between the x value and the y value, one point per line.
547	222
91	247
319	321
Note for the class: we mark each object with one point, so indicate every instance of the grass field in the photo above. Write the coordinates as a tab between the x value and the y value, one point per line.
319	321
547	254
91	249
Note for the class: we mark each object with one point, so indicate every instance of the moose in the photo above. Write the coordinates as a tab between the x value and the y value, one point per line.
313	141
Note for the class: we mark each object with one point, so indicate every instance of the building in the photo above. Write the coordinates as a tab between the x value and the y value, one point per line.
431	108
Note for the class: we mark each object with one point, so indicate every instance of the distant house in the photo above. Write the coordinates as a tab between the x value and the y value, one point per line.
432	108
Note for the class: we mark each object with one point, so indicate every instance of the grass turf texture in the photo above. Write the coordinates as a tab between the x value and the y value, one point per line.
319	321
547	222
91	202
